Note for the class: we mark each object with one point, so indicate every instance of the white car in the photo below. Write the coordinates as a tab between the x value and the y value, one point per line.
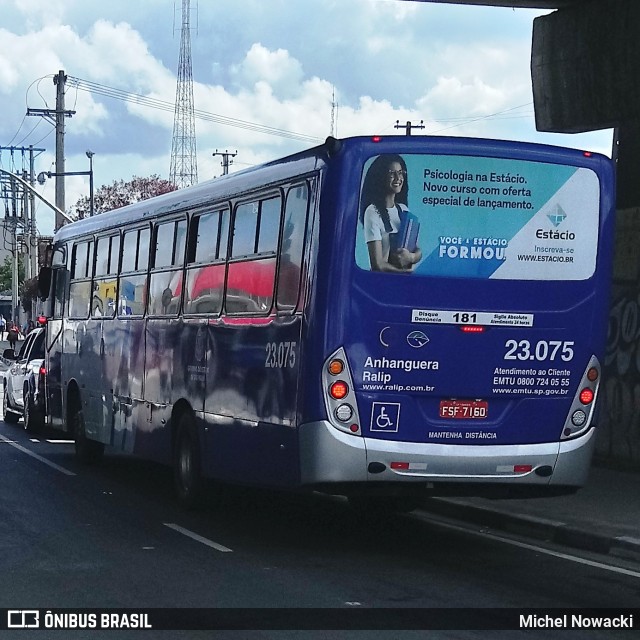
28	360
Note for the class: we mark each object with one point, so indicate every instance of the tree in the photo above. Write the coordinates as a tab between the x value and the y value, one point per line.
27	289
29	293
121	193
6	274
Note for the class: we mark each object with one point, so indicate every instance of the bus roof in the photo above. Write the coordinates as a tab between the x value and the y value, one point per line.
193	197
307	161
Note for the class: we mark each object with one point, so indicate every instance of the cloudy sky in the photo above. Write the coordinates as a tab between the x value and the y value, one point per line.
257	64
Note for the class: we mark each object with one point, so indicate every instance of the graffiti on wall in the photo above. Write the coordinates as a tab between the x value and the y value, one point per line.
619	434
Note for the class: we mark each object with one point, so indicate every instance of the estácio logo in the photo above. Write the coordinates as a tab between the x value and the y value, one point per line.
552	234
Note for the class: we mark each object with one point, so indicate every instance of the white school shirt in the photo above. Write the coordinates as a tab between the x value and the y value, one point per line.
374	227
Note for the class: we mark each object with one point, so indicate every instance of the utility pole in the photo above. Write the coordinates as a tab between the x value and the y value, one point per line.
59	81
57	117
225	160
15	218
29	221
33	231
20	224
408	126
26	185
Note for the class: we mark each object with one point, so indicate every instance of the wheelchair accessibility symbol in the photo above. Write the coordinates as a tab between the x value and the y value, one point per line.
385	416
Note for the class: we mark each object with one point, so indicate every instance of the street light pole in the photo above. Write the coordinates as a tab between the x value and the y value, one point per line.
43	175
90	155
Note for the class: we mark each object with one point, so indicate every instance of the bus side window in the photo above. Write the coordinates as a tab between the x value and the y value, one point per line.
60	275
61	282
165	283
292	251
252	265
244	230
81	273
133	272
105	281
269	226
206	266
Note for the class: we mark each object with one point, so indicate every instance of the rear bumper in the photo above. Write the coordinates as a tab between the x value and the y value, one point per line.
330	456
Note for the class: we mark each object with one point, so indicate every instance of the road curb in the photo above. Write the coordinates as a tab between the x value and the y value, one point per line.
626	547
537	528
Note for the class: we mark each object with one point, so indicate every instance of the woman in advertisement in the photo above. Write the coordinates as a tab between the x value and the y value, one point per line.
383	208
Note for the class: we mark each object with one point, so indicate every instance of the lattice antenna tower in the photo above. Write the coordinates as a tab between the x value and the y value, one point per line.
184	164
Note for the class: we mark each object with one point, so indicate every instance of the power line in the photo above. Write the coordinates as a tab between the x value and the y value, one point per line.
127	96
490	116
163	105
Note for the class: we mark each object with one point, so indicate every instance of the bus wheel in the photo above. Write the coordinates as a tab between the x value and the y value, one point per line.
187	468
87	451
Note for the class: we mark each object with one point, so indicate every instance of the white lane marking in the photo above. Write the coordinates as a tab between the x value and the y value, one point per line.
572	558
196	537
533	547
53	465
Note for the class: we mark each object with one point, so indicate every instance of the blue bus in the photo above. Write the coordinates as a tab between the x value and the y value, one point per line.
383	318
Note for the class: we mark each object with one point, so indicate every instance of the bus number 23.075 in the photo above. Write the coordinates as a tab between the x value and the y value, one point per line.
541	351
280	355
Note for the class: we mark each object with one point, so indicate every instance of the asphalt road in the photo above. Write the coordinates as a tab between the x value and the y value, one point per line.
113	536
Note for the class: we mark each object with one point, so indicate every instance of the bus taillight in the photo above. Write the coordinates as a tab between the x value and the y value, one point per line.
586	396
339	396
578	418
339	390
336	367
344	412
582	408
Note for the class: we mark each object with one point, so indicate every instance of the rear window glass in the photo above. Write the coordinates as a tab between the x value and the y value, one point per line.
475	217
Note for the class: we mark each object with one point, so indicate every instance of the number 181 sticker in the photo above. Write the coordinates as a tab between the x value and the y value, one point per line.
491	319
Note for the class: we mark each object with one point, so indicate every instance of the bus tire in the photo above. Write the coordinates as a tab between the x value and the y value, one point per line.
187	469
87	451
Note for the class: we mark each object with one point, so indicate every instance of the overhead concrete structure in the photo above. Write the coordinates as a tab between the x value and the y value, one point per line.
585	65
583	62
541	4
585	59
